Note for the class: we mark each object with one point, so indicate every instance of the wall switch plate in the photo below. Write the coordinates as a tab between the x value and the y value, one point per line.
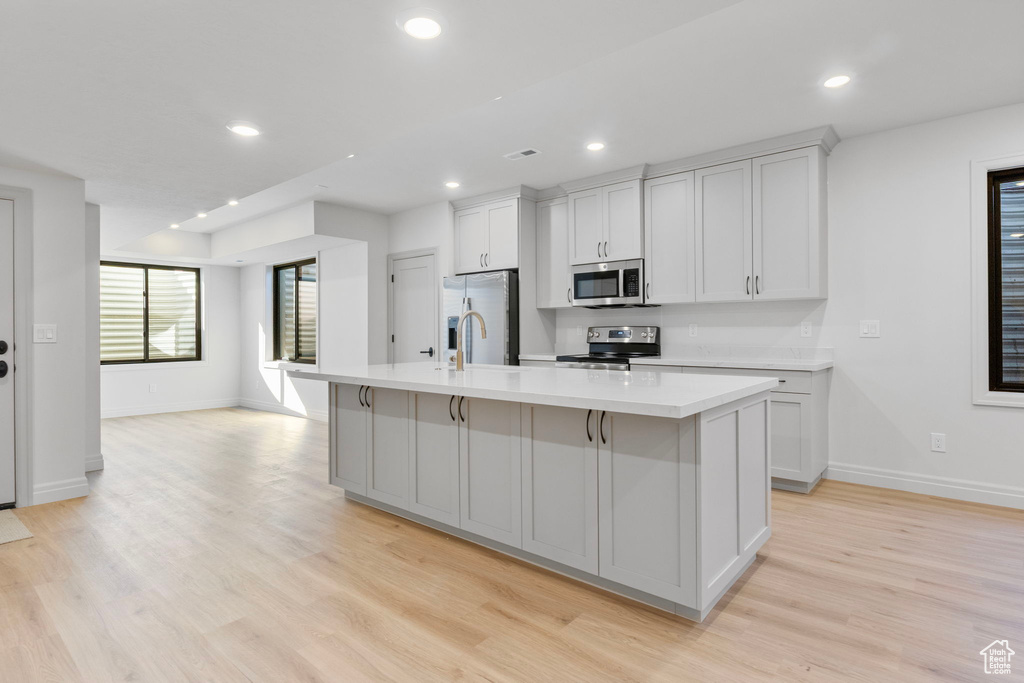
44	334
152	388
938	442
805	329
870	329
693	329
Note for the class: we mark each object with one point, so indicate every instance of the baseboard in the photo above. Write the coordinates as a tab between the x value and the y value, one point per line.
957	489
94	463
53	491
270	407
171	407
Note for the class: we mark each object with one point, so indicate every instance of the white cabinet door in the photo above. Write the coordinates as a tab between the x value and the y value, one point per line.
648	504
724	232
791	437
668	239
553	269
490	470
348	438
623	221
388	446
788	215
502	251
586	227
560	485
434	457
471	240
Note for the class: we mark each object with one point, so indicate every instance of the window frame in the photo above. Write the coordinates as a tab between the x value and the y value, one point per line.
996	349
275	300
146	360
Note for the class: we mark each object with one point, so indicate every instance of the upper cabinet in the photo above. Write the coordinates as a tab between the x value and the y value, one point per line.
668	239
760	228
554	281
606	223
487	237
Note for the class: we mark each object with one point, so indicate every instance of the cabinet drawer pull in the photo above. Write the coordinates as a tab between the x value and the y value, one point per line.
450	411
589	435
601	427
460	409
782	381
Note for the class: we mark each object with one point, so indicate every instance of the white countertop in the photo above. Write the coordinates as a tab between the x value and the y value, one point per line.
807	365
642	392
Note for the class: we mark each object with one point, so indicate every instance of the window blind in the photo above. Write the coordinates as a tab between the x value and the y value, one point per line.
295	311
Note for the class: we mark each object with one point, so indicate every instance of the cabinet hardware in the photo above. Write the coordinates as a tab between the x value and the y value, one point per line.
463	417
598	250
429	351
648	290
481	260
748	284
450	411
487	259
3	347
601	427
366	395
757	284
782	381
589	436
568	294
606	250
3	368
361	397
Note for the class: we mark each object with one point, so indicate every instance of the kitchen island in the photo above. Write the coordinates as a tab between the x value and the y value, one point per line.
651	485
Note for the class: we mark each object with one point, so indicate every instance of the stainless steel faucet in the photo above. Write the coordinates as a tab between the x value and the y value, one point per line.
459	333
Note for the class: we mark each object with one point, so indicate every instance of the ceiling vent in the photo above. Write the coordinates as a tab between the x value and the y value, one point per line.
522	154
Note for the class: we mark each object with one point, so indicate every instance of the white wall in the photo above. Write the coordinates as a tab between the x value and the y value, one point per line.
58	381
899	252
212	382
423	228
91	437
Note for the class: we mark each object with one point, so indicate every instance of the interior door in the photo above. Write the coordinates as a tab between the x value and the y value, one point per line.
414	309
7	355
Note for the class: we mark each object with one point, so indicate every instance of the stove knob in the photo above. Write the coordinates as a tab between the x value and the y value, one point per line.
590	334
644	335
597	334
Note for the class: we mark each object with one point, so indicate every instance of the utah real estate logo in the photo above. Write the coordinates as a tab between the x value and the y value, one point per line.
997	657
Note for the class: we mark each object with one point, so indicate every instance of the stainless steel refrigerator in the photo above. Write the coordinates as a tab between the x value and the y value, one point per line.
495	296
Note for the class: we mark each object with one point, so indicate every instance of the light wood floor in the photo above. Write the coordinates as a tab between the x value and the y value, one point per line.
211	549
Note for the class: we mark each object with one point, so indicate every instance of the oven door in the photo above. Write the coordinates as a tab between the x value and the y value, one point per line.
608	284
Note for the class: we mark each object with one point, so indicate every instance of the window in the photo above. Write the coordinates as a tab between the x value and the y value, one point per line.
149	314
295	311
1006	279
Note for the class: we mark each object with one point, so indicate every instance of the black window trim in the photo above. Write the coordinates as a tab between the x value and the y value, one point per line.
995	281
145	314
277	310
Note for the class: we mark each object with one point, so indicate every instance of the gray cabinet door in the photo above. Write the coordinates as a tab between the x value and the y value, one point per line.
434	457
560	485
648	504
791	437
490	470
348	438
388	446
723	231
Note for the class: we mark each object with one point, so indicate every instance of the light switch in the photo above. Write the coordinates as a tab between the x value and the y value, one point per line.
693	329
805	329
44	334
870	329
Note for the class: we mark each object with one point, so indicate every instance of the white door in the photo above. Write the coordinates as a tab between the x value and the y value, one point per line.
623	217
668	233
7	357
414	312
586	227
724	233
471	240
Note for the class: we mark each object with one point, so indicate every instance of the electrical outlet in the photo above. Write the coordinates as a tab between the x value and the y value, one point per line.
805	329
152	388
693	329
938	442
870	329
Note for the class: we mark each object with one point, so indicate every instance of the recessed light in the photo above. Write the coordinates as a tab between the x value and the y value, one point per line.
174	226
421	23
498	98
244	128
233	202
200	215
350	156
595	146
836	81
451	184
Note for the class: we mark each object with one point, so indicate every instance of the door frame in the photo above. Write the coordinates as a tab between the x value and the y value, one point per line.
22	199
398	256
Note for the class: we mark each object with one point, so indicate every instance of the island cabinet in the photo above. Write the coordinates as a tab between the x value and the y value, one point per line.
387	451
434	457
348	437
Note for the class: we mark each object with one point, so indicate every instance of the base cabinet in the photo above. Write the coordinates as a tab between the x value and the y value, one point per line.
560	485
348	437
387	461
434	457
490	470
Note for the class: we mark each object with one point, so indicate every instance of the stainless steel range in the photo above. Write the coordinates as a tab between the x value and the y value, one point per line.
611	348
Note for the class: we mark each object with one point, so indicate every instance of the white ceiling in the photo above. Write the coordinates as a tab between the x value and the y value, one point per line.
133	96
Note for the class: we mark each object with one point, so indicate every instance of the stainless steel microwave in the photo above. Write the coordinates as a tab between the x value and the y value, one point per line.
616	283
